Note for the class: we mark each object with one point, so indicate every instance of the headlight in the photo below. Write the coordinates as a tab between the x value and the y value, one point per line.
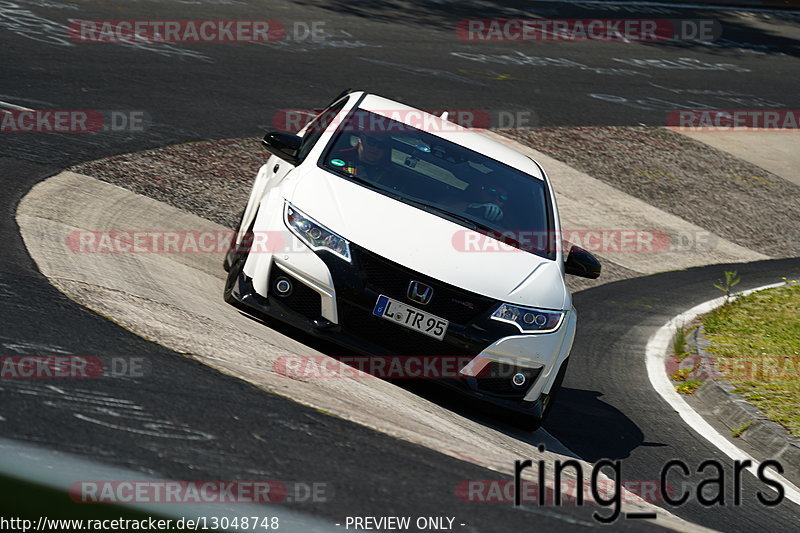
529	320
315	235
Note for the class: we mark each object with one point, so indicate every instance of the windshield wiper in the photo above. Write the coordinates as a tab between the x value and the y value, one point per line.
370	184
356	178
472	224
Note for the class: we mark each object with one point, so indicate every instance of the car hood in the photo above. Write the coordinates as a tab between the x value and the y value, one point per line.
427	243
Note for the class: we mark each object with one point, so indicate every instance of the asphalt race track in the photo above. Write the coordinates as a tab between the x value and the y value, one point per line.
196	423
609	409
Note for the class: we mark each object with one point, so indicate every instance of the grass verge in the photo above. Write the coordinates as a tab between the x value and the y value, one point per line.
756	346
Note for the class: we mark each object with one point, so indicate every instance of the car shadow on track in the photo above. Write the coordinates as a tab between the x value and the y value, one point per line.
592	428
581	424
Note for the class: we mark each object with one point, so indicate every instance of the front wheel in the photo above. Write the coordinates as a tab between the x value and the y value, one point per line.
226	263
238	254
534	422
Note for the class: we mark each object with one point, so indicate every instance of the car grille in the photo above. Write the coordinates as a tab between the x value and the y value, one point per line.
449	302
303	299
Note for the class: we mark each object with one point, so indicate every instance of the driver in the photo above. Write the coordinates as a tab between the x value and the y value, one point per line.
490	200
367	159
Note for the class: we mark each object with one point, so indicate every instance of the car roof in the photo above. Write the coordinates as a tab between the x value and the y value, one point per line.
450	131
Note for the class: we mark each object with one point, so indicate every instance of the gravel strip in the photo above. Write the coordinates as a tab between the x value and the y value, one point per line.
713	189
211	179
708	187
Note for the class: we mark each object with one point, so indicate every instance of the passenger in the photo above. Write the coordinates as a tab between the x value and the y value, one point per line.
489	202
482	200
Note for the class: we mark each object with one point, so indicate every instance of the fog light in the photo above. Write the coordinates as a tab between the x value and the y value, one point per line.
283	287
518	379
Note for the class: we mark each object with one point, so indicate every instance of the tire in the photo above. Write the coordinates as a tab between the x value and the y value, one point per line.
531	422
554	390
226	264
235	267
528	422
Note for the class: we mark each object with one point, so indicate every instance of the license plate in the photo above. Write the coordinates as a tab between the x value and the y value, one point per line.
410	317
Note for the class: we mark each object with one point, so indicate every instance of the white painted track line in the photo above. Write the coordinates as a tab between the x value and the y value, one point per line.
679	5
14	107
655	354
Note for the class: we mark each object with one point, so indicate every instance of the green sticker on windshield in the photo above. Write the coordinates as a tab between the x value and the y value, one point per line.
337	162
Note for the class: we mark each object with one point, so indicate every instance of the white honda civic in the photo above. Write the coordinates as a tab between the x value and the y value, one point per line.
399	234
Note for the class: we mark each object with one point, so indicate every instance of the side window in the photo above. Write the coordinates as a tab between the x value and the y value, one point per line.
318	126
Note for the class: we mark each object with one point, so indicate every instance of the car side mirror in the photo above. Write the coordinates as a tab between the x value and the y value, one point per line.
581	263
284	145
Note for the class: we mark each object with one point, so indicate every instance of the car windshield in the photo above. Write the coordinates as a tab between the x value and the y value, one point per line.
442	177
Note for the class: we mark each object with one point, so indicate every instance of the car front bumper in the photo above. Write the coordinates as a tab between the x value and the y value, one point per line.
333	299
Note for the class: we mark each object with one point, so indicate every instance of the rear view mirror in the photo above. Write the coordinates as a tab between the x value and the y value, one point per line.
581	263
284	145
